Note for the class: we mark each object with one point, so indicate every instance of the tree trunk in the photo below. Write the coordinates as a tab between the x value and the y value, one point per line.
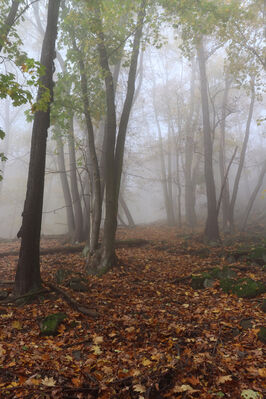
65	188
28	268
211	228
167	205
9	22
74	183
253	197
115	153
96	182
242	158
126	210
222	166
189	151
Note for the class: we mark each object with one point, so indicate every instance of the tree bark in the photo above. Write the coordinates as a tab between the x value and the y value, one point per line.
126	210
253	197
28	269
225	193
74	183
65	188
115	153
242	158
211	228
189	150
9	22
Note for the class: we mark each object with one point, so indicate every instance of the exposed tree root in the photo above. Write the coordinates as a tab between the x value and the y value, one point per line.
75	305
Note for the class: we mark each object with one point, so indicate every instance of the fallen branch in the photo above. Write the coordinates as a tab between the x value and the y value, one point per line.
75	305
79	247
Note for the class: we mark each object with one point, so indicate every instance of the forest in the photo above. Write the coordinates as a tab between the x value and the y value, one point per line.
132	199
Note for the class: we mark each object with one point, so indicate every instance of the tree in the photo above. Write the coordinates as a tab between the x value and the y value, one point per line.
28	268
104	260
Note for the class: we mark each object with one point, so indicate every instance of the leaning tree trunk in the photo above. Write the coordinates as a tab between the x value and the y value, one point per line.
211	228
126	210
28	268
253	197
9	22
242	158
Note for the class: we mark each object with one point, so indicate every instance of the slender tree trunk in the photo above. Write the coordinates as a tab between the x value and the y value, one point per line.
242	158
189	151
170	175
9	22
167	206
96	181
115	153
211	228
222	166
74	183
28	268
65	188
253	197
126	210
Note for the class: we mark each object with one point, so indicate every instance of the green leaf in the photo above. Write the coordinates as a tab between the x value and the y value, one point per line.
250	394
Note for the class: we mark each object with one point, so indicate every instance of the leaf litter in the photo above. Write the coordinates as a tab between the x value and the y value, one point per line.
155	336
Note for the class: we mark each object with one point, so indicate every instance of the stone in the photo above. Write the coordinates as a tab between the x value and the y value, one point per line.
49	325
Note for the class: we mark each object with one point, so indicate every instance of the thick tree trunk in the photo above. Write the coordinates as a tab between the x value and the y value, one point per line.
74	183
242	158
253	197
28	268
211	228
222	166
65	188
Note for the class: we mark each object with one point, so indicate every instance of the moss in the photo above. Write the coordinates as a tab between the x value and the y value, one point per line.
50	324
262	334
197	282
243	288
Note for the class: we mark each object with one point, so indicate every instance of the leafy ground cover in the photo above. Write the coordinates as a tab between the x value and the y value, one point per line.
154	335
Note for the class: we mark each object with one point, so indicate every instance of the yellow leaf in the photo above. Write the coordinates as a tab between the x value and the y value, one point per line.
146	362
49	382
139	388
184	388
185	305
130	329
262	372
16	324
97	340
96	350
224	378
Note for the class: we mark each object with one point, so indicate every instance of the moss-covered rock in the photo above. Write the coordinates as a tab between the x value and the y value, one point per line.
49	324
263	306
218	274
77	284
262	334
197	282
243	288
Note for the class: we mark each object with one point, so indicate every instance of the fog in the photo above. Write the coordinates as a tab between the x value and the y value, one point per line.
155	153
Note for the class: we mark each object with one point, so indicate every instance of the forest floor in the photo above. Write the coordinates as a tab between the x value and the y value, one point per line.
154	337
